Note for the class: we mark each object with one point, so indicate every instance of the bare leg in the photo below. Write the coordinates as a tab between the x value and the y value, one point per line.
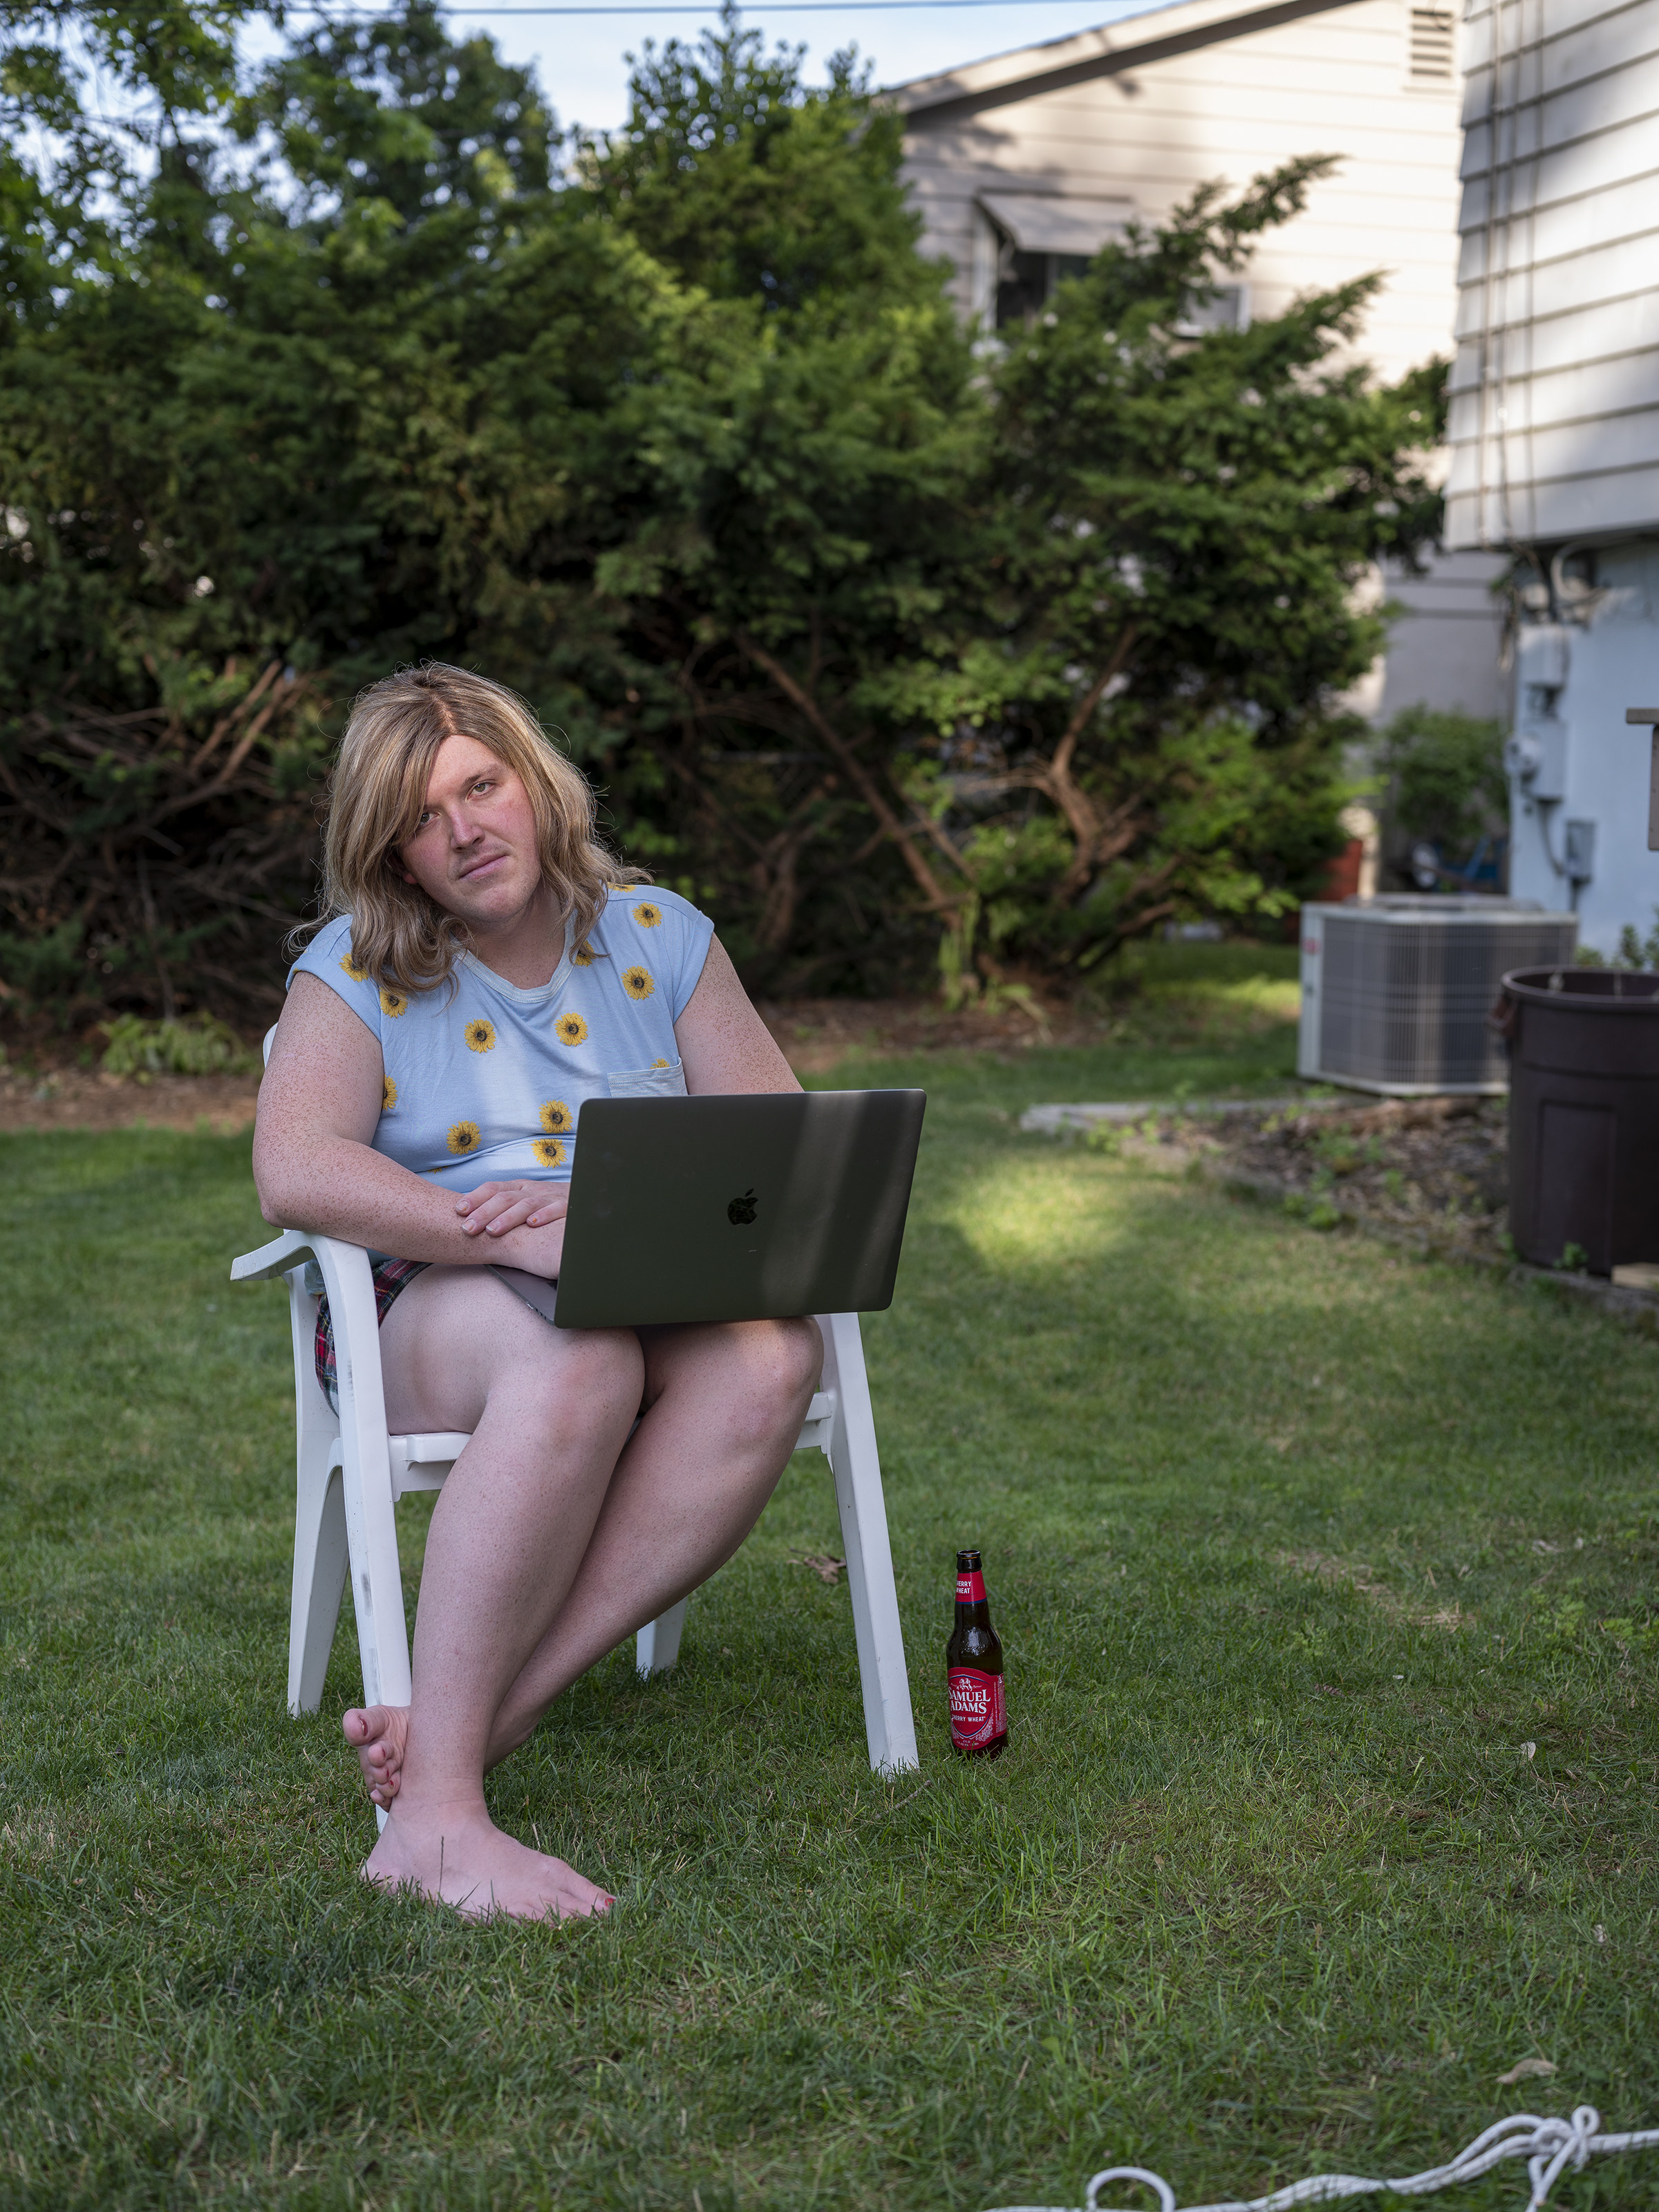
726	1405
549	1410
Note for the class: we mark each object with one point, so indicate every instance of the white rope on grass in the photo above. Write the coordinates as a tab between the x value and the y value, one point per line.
1548	2145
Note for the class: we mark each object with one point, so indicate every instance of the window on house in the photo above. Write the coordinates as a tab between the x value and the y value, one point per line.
1227	308
1025	281
1431	43
1032	241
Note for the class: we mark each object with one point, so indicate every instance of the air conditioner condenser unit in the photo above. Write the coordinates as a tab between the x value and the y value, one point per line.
1395	991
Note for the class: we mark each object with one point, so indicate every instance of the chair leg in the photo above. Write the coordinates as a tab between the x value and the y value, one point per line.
377	1587
377	1584
889	1723
657	1646
320	1555
377	1590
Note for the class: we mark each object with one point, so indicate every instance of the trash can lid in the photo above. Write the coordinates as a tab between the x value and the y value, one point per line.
1590	990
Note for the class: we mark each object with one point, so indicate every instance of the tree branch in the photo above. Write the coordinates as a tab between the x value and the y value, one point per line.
869	790
1086	707
1057	782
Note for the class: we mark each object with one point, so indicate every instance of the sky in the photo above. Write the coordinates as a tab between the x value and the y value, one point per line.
579	58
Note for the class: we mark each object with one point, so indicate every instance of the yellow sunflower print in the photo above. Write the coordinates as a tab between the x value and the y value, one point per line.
464	1137
660	1063
648	915
550	1152
394	1003
570	1029
557	1119
480	1035
582	956
349	967
638	982
388	1094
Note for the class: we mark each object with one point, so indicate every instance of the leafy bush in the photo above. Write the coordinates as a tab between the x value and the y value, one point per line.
161	852
197	1045
1635	951
1444	777
901	659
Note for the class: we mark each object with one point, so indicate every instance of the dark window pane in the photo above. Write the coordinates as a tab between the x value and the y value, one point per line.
1023	287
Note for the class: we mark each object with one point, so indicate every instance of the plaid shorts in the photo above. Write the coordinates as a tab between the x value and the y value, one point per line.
390	1276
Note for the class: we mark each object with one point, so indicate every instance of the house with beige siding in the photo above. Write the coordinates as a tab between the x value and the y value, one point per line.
1023	165
1554	426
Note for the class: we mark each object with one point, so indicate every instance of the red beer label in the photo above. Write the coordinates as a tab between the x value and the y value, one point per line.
970	1588
978	1715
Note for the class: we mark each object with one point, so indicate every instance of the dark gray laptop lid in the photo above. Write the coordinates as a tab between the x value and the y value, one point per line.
737	1208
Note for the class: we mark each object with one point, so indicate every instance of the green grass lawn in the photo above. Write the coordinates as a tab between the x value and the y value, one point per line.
1293	1544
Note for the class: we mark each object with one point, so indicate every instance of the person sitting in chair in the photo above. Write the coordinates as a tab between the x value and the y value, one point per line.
487	967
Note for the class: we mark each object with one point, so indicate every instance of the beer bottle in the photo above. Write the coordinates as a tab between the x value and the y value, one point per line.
973	1660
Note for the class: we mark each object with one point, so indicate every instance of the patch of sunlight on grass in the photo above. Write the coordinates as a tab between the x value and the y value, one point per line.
1252	1002
1023	1213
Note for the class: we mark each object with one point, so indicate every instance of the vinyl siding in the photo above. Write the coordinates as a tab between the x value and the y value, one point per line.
1244	99
1333	82
1555	406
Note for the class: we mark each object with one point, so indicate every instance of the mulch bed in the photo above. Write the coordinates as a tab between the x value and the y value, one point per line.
1435	1168
86	1098
1434	1171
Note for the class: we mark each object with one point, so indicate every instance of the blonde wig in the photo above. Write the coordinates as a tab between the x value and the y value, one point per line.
399	935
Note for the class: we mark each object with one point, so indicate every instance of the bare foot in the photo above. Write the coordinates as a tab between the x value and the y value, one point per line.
376	1733
456	1853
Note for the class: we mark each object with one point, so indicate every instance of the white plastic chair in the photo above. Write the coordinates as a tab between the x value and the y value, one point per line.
351	1473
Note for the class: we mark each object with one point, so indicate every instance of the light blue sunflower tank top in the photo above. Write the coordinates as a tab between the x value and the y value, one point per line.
483	1080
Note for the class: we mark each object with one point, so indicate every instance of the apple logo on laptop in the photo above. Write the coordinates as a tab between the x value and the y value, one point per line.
741	1212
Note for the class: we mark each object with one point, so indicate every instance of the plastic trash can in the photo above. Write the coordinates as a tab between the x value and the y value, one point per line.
1583	1047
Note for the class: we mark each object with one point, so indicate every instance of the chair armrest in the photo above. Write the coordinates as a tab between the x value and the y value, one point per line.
292	1250
286	1252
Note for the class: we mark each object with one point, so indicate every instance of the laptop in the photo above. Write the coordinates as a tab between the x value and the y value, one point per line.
732	1208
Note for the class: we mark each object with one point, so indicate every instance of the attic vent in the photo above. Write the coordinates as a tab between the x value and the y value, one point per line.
1431	43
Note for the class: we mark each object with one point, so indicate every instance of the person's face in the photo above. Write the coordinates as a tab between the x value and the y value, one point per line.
474	850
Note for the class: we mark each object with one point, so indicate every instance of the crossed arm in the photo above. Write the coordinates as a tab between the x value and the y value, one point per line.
315	1168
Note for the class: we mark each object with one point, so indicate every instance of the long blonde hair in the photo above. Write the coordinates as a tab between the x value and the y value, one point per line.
399	935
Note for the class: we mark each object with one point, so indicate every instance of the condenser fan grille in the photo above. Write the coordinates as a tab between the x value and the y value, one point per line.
1401	999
